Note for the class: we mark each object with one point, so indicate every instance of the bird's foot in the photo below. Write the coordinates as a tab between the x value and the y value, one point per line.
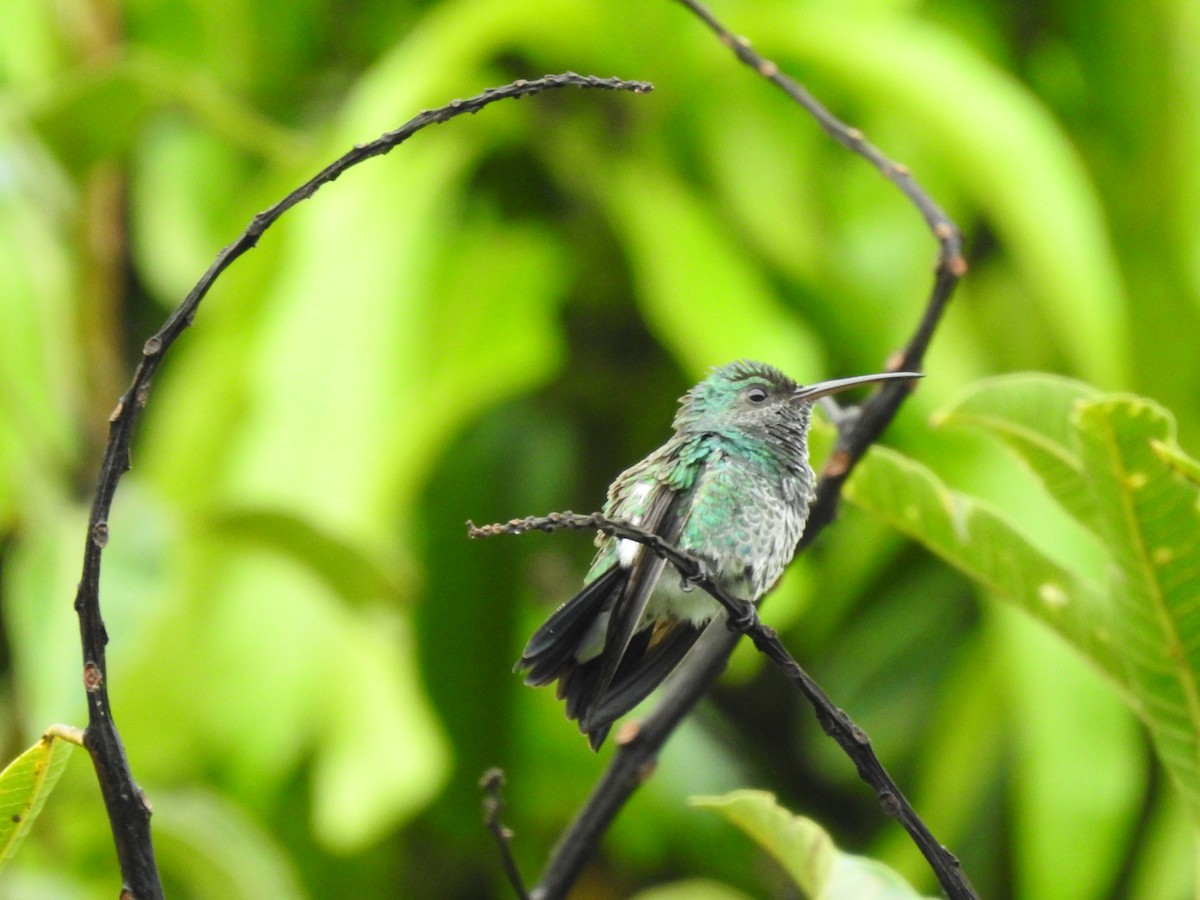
742	618
700	574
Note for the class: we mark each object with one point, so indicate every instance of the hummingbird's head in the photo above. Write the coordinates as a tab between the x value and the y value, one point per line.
743	396
747	397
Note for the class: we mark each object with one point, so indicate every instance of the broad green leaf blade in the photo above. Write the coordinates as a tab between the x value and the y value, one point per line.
762	167
24	786
983	543
1151	524
1032	414
800	845
806	851
692	274
214	848
350	571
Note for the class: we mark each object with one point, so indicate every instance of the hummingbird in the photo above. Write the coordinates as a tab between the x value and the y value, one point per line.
732	486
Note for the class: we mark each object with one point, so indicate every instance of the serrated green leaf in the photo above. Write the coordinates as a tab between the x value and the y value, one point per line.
1151	524
1113	462
1031	413
26	783
983	543
1183	464
806	851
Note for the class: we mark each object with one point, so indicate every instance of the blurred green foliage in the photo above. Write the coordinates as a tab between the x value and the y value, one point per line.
309	662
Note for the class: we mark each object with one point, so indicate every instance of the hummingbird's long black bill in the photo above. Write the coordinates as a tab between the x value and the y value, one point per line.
825	388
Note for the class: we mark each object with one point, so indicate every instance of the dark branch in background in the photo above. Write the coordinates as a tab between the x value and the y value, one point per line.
128	812
742	618
492	784
635	758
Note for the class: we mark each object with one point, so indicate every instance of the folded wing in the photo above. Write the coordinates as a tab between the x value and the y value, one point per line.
636	654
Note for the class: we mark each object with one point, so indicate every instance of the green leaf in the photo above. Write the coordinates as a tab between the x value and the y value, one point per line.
982	542
1183	464
213	848
383	755
806	851
1112	461
691	889
344	567
1031	413
690	273
44	634
26	783
761	165
1150	521
29	45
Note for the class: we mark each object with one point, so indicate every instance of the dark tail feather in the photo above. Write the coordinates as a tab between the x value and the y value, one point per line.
577	687
645	664
552	648
600	690
641	673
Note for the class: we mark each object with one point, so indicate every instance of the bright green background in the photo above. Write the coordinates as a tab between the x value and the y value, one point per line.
310	663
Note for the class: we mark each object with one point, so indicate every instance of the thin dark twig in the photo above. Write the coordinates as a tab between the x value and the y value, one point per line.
742	618
877	413
856	432
128	812
638	744
850	138
492	784
689	566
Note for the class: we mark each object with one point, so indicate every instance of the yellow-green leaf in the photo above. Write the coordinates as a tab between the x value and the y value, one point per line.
26	783
806	851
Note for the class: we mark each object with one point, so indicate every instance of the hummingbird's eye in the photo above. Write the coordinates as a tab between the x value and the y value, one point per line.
756	395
